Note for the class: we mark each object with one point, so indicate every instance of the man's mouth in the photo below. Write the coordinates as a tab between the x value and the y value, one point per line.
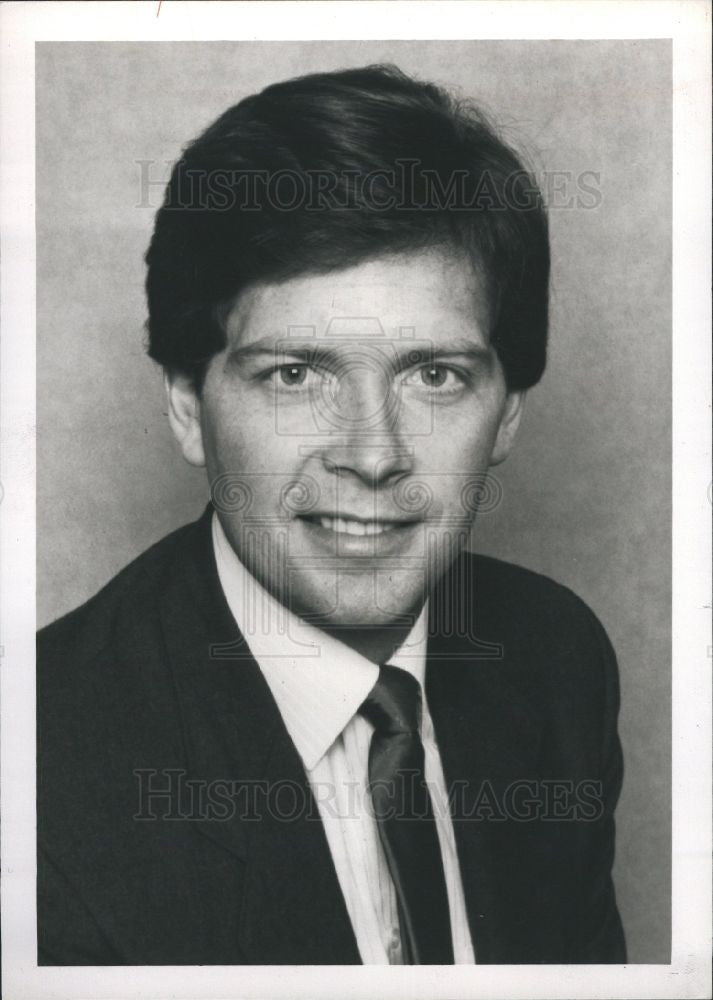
347	527
354	526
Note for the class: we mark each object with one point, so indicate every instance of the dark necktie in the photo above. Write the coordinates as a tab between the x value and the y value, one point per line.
404	815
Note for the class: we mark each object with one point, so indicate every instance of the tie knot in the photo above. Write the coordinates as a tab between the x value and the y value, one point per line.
394	703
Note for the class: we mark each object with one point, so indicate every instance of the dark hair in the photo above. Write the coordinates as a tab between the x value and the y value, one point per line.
326	171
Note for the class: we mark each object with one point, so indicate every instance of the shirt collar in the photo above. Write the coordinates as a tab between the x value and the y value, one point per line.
317	681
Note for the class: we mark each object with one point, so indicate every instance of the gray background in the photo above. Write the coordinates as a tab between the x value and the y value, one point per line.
586	494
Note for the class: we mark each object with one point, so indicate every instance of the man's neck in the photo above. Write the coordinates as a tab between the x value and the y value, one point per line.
374	643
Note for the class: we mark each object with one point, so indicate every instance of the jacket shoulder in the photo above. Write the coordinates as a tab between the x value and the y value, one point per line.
531	620
528	600
85	630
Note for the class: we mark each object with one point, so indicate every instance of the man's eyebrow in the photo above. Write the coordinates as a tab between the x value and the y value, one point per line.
411	352
270	347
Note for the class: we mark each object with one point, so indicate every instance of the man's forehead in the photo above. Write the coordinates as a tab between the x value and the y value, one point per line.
425	298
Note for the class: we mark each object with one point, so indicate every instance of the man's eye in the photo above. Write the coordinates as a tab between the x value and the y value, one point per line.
293	374
435	377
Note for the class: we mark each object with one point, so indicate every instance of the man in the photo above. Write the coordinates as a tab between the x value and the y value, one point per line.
311	727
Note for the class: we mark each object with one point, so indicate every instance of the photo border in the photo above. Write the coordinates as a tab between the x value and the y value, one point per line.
687	23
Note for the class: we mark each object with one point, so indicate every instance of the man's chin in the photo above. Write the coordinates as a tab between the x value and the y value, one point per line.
360	614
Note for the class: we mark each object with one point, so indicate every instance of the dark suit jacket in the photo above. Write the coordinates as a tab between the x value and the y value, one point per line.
152	676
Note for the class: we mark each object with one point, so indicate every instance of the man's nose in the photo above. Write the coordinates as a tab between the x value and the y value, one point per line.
366	438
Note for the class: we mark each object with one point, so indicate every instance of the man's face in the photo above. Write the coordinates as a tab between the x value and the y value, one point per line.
346	428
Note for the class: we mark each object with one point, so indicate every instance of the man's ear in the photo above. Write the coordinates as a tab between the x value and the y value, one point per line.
184	411
509	423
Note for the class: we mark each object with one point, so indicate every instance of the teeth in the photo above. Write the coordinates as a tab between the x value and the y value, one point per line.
341	524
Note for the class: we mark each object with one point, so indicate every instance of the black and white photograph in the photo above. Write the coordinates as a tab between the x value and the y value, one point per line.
361	374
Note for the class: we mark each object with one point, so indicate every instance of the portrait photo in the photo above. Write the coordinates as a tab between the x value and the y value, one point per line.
354	505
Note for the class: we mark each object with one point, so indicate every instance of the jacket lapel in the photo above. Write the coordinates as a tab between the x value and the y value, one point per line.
489	738
292	908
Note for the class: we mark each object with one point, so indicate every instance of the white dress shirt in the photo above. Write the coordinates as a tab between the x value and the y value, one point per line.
319	684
